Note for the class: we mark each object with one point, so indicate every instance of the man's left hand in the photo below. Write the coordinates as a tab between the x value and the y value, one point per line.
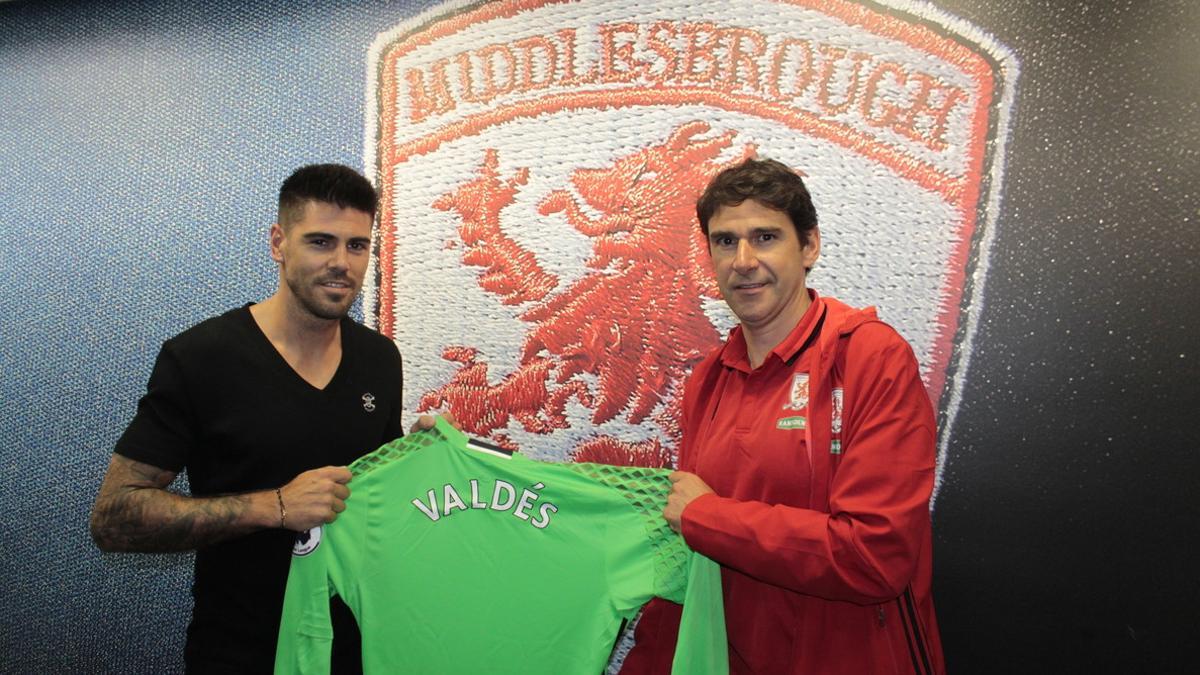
425	422
684	488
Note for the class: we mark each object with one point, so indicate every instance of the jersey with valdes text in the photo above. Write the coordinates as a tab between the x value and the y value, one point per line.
458	558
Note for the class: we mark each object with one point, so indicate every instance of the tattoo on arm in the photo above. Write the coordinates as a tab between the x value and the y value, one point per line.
135	512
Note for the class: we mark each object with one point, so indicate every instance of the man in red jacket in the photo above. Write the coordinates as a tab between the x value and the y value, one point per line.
807	460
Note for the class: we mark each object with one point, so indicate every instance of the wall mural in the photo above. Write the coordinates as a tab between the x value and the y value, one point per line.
555	296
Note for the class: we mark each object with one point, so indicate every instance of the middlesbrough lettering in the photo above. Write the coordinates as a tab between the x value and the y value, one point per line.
801	73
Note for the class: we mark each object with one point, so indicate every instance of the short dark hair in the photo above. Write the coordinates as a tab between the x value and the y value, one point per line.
334	184
767	182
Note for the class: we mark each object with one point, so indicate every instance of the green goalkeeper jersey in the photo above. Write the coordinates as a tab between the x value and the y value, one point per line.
457	558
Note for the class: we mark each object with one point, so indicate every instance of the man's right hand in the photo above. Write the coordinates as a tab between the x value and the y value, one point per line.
685	488
315	497
135	512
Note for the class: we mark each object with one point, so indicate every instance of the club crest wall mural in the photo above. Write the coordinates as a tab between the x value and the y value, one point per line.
539	262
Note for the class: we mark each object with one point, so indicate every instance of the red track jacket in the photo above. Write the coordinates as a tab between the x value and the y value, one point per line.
822	461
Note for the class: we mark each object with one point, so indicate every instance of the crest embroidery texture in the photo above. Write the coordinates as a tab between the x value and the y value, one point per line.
648	262
798	396
539	262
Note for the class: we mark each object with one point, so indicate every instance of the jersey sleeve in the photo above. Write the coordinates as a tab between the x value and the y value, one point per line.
645	491
865	548
305	630
702	645
678	574
161	432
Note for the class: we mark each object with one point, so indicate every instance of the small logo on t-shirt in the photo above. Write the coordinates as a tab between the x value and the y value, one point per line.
307	542
368	400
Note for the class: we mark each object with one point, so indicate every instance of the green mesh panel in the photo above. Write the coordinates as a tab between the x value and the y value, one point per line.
646	490
393	451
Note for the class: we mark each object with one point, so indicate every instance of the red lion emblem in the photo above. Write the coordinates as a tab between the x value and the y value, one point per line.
634	322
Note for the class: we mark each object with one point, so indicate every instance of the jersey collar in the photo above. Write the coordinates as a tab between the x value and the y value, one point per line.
460	440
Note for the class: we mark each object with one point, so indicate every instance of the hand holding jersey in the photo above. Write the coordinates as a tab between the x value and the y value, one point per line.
314	497
427	422
685	487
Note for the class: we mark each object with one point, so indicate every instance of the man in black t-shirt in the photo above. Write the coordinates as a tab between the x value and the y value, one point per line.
263	406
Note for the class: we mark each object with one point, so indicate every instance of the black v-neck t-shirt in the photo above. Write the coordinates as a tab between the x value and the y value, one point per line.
223	404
